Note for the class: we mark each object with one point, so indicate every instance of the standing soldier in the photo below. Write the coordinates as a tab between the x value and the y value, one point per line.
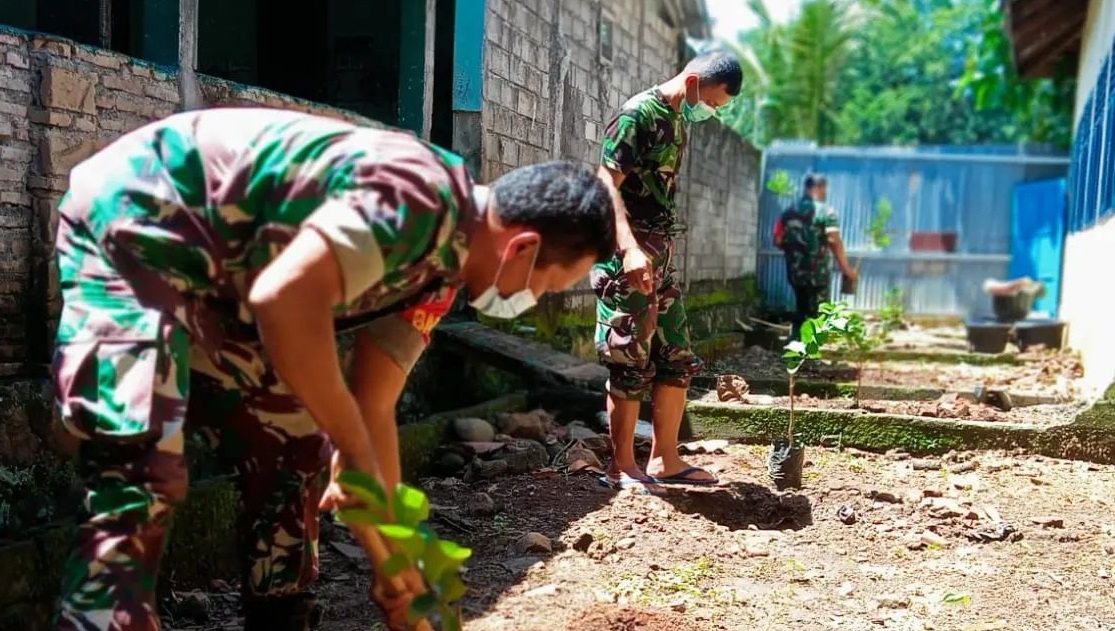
207	262
806	233
642	335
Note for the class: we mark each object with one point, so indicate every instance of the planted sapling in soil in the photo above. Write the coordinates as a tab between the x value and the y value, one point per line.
786	457
401	520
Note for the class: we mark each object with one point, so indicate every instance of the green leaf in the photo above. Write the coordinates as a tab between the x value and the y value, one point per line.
360	517
412	507
808	331
456	553
450	618
422	607
364	488
406	538
395	564
795	349
952	598
451	588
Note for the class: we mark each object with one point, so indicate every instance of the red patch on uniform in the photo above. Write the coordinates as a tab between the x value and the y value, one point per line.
425	316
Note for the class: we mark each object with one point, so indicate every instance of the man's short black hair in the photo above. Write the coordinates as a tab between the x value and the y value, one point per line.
716	68
813	180
566	203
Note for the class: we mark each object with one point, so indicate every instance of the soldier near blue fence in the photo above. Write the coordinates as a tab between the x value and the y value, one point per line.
808	233
206	262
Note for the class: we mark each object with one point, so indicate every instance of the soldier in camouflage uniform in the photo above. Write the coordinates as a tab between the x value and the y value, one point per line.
642	335
207	262
806	234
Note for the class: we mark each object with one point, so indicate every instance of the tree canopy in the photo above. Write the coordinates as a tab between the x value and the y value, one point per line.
881	72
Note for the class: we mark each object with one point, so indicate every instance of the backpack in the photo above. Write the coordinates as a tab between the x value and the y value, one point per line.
802	242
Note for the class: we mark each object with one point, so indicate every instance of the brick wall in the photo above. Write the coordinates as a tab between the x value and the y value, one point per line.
60	102
548	95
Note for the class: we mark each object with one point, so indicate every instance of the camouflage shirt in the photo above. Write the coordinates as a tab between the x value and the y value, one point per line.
645	142
805	230
189	209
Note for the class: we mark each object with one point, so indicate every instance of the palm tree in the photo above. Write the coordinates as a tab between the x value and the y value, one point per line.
791	72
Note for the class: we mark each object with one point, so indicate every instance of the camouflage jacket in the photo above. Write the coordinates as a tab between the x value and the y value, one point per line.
189	209
645	142
804	231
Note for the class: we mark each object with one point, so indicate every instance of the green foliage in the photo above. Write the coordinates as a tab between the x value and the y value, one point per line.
829	326
780	184
877	230
893	313
439	560
883	72
1041	108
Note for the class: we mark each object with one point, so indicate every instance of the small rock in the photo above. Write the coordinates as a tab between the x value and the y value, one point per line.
578	431
731	388
450	459
579	452
962	467
945	508
474	430
524	456
583	542
846	514
884	496
893	601
534	425
1104	574
545	590
1048	521
519	565
931	538
599	445
897	454
533	542
482	505
488	469
351	552
846	590
625	544
756	550
925	464
705	447
193	606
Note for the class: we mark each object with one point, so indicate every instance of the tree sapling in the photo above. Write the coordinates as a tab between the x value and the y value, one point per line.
401	519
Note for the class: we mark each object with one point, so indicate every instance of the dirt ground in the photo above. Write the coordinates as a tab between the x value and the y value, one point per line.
1049	374
947	407
1015	542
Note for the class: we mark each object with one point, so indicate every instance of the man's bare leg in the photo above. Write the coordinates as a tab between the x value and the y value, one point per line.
669	405
622	417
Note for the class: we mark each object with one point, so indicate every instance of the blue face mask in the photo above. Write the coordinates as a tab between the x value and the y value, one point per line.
697	113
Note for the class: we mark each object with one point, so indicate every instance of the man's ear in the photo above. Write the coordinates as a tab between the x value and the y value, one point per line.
525	243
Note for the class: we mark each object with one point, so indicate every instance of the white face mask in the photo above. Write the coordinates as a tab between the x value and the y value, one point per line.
493	305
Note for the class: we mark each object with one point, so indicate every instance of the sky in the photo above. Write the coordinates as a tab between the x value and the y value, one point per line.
732	16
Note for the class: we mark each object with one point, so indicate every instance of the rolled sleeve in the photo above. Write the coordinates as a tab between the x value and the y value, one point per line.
399	339
620	146
830	220
354	244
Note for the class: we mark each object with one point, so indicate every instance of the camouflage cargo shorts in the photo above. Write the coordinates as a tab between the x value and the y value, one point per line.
643	339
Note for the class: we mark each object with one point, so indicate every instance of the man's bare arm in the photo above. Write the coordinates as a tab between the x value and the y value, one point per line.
837	245
292	300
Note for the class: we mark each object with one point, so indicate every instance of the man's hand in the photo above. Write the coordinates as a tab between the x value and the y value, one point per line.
336	497
851	274
639	270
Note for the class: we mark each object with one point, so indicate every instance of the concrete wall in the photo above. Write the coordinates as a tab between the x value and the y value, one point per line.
547	94
1085	300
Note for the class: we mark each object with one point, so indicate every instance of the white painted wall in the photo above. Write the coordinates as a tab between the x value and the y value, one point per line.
1087	301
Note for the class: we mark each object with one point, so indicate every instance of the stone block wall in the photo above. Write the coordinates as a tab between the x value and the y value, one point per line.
59	102
548	94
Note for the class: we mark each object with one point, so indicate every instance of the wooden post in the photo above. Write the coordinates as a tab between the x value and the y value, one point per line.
105	23
189	93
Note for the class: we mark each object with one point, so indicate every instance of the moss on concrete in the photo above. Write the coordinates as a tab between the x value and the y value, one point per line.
974	359
857	429
1090	437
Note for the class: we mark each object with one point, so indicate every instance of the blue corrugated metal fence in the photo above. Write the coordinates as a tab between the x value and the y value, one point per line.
964	190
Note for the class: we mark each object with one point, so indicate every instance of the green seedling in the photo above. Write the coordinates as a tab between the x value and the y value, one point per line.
893	313
780	184
416	544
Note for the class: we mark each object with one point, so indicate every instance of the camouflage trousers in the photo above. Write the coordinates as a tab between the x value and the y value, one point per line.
127	380
643	339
